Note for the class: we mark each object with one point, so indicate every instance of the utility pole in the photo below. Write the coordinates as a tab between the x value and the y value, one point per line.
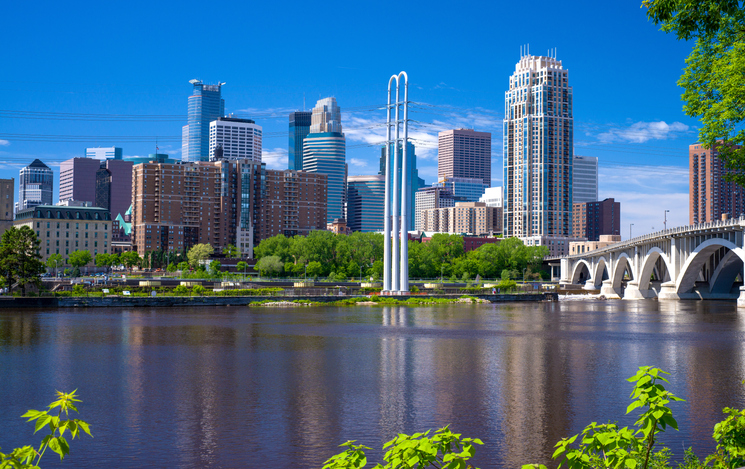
630	225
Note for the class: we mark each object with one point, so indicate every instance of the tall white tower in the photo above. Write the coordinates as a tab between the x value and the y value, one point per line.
538	149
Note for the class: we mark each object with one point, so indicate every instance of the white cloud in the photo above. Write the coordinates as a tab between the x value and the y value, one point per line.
357	162
4	143
275	158
640	132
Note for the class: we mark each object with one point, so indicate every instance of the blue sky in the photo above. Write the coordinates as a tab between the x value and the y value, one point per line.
136	58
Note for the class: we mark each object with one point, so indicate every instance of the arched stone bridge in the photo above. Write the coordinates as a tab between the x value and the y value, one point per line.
701	261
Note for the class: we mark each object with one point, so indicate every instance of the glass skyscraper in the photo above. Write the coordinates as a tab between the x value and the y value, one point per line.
324	151
35	186
468	189
538	150
299	129
365	202
205	105
413	181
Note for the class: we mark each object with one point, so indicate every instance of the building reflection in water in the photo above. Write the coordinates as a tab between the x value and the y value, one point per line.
234	387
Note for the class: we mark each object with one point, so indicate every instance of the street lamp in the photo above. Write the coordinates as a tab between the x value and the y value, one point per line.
630	225
665	222
524	274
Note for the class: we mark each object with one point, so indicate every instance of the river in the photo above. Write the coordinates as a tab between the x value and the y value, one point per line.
229	387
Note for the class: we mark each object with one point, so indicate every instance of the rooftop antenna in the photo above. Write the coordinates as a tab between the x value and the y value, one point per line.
303	101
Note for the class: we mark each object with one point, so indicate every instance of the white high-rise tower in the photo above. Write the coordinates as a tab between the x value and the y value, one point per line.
538	142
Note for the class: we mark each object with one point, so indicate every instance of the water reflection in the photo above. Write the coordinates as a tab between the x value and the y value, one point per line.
240	387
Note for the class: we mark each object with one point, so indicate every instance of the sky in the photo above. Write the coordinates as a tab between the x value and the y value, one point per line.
85	74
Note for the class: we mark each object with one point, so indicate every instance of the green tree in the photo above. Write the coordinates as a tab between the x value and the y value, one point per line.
28	457
314	269
103	260
55	261
199	252
712	81
230	251
215	267
241	267
269	264
181	290
198	290
183	266
130	259
19	258
171	268
79	259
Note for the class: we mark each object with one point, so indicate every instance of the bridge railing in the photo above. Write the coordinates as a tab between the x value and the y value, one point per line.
661	234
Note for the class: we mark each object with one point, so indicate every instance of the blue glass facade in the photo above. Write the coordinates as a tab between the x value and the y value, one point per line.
299	129
413	181
205	105
325	153
468	189
365	202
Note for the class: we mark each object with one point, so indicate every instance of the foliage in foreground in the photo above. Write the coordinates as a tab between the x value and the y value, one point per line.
28	457
607	446
443	449
713	78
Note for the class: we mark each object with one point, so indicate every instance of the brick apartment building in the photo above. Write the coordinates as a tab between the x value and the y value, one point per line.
178	205
590	220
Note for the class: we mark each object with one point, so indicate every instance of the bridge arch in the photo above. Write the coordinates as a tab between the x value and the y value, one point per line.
690	270
578	269
648	265
621	265
601	267
726	273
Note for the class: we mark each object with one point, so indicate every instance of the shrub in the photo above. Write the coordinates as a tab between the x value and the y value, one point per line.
181	290
198	290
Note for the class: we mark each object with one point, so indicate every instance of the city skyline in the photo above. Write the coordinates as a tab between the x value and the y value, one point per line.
643	124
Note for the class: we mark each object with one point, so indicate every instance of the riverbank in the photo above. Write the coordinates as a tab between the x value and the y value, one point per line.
180	301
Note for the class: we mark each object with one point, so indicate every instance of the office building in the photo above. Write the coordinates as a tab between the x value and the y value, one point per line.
584	179
431	197
591	220
464	153
557	245
232	138
7	192
581	247
299	129
62	229
538	150
365	202
205	105
324	152
77	178
105	153
492	197
35	186
292	203
709	195
468	189
473	218
113	189
413	181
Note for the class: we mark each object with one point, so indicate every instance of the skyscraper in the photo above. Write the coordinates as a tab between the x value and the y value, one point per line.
709	194
585	179
464	153
77	178
538	150
324	151
205	105
365	202
413	181
232	138
105	153
35	186
299	129
594	219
